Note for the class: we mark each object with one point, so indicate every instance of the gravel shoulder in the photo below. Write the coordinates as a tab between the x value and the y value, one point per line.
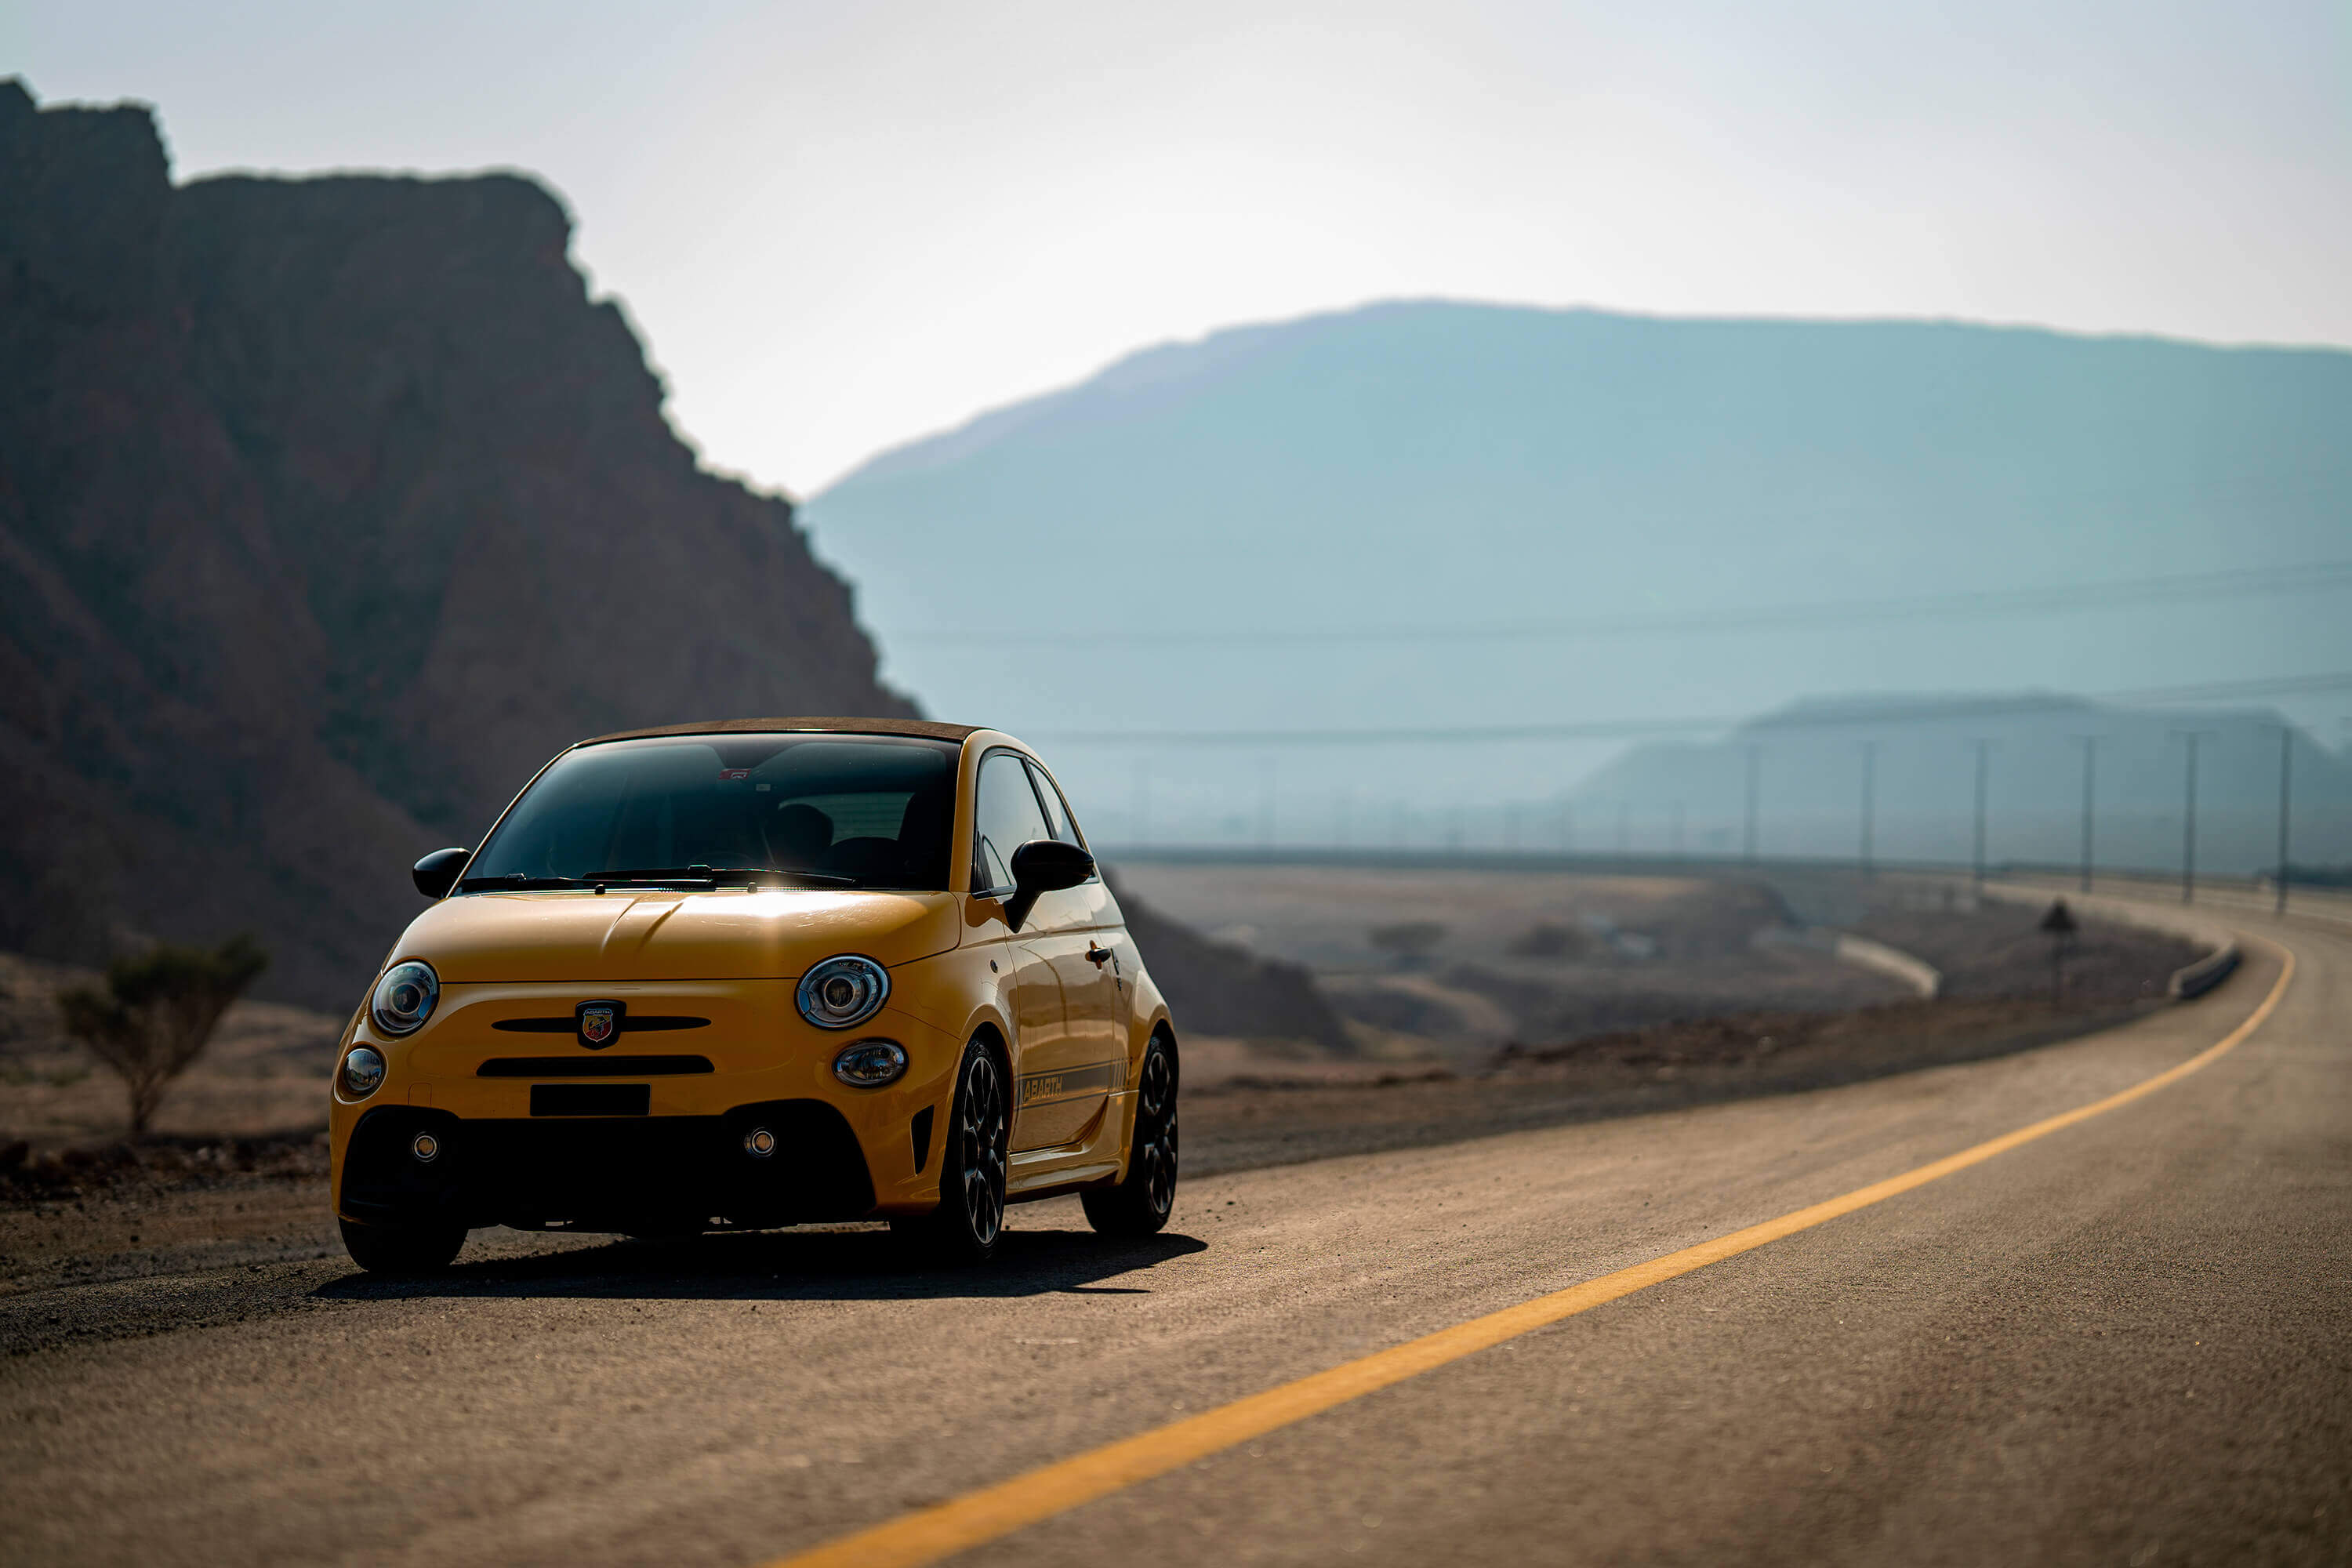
223	1214
240	1228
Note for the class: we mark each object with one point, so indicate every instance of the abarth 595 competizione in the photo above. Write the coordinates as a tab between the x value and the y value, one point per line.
755	974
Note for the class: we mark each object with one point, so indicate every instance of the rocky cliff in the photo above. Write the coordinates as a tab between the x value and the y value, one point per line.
1215	988
329	510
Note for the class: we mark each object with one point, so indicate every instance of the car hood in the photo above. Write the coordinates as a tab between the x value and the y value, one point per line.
646	934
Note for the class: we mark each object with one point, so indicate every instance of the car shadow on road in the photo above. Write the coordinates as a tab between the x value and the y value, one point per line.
788	1266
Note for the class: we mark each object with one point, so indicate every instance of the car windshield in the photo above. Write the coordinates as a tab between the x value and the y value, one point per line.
868	811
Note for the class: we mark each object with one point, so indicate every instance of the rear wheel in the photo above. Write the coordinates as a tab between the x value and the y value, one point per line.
403	1249
1139	1205
970	1216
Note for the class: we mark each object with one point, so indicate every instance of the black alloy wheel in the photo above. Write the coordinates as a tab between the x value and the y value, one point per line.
1141	1205
972	1167
403	1249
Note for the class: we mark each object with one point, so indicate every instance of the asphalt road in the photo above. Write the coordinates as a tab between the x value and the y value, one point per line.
2128	1342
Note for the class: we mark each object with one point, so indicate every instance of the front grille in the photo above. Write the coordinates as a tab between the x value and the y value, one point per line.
591	1067
626	1023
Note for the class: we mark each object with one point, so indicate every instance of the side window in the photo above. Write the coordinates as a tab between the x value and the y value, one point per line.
1057	810
1005	818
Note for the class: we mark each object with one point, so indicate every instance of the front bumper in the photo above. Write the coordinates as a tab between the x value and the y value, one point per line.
630	1173
526	1132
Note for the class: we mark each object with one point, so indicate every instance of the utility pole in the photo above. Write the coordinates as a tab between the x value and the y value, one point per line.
1869	801
2090	745
1984	756
1266	805
2286	773
1755	771
2189	819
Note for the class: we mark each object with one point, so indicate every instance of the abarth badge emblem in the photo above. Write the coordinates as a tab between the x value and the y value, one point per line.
600	1023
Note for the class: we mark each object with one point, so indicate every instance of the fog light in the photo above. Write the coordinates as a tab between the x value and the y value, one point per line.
870	1064
759	1142
425	1147
362	1073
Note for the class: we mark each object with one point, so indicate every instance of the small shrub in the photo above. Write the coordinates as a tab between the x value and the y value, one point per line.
1547	939
157	1013
1409	942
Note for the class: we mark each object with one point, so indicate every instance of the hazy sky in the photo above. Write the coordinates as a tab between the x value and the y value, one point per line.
843	226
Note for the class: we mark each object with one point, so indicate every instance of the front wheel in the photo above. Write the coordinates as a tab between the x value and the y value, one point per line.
401	1250
1139	1205
970	1216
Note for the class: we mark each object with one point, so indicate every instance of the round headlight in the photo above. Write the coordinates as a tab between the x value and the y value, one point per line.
870	1064
362	1073
843	993
405	998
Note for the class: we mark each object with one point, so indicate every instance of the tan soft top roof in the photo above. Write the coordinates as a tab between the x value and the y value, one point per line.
922	727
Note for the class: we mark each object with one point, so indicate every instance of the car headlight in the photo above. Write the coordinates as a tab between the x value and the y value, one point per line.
405	998
362	1072
843	993
870	1064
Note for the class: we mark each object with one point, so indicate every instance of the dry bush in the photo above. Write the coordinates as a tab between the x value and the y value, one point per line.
158	1012
1408	943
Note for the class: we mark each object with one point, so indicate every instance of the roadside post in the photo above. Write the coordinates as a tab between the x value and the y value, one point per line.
2060	924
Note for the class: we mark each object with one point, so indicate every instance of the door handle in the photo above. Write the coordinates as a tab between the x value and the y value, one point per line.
1097	953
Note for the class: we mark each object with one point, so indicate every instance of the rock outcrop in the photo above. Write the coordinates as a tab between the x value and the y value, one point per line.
1215	988
329	510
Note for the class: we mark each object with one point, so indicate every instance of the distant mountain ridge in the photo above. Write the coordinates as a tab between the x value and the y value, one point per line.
1811	771
330	509
1431	464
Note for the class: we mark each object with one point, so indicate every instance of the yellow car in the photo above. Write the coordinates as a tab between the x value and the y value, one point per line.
753	973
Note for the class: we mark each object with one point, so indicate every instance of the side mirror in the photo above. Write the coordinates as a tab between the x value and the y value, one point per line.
437	872
1043	866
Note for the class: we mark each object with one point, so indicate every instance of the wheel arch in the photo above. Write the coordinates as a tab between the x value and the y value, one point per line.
987	1032
1148	1019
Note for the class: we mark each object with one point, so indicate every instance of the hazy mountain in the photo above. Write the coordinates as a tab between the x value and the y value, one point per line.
329	510
1436	464
1919	758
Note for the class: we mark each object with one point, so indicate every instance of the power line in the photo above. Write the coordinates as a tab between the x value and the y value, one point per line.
1628	729
2319	577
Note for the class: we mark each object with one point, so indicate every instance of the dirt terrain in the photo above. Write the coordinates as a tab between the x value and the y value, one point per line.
1548	956
236	1176
266	1070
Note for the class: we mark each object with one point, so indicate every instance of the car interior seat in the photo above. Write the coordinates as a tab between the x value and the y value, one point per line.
797	837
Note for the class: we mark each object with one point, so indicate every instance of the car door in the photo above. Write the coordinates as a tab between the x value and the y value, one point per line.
1054	1096
1087	938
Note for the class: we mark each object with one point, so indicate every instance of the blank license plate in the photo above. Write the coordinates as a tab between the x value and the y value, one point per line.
591	1098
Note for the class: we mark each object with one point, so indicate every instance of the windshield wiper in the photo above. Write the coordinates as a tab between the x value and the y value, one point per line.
656	876
723	874
518	883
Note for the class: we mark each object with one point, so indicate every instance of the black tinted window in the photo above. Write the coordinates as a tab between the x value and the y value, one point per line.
875	809
1005	817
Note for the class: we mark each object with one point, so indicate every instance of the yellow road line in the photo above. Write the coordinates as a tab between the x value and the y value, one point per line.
998	1511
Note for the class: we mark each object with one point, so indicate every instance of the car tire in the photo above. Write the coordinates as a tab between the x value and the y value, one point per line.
970	1221
403	1249
1141	1205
